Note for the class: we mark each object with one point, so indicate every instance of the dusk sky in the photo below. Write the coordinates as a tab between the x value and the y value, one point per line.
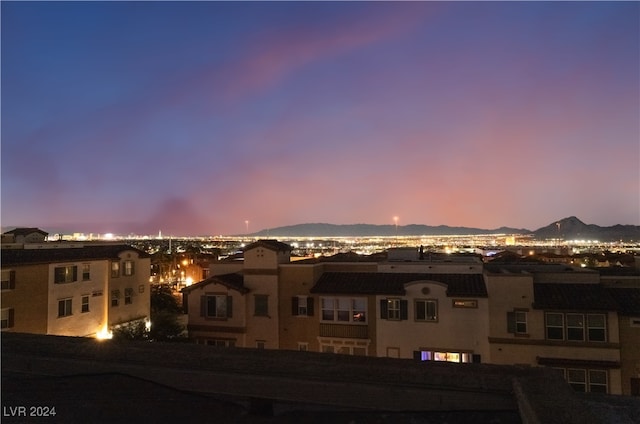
192	118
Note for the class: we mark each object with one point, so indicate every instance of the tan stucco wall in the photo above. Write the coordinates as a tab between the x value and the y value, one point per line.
629	351
29	299
140	306
456	329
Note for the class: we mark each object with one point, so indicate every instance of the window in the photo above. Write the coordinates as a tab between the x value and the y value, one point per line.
85	304
115	269
343	349
128	296
128	268
439	356
8	279
303	347
302	306
64	307
576	327
577	379
393	309
465	303
426	310
86	272
261	305
115	297
596	327
517	322
216	306
221	342
6	318
344	309
555	326
65	274
260	344
587	380
598	381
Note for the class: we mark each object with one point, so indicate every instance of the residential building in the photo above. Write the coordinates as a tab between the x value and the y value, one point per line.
238	304
555	316
73	289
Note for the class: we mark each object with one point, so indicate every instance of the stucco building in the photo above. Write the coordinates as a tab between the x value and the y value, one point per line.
73	289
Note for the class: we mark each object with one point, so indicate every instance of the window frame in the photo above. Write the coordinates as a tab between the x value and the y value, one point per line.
65	274
115	269
210	301
427	317
128	268
86	272
65	307
84	305
8	321
547	327
115	298
8	279
261	305
343	310
128	296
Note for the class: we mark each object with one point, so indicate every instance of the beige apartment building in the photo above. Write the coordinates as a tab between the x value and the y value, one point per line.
425	306
238	304
73	289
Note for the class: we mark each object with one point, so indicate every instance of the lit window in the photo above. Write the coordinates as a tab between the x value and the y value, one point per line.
431	355
344	309
65	274
128	268
465	303
115	269
393	309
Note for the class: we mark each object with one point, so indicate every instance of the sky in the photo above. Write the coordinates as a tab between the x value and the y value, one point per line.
220	118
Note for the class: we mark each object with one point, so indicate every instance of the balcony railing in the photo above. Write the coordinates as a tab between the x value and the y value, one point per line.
346	331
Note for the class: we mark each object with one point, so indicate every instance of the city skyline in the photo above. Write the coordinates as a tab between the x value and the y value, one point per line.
225	118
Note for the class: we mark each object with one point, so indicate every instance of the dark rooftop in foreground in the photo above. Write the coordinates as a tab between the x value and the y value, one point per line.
87	380
71	252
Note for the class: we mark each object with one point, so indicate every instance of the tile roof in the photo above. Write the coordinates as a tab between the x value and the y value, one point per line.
66	254
627	298
233	281
393	283
269	244
26	231
573	296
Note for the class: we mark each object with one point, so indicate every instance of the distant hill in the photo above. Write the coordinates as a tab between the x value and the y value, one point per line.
364	230
569	229
572	228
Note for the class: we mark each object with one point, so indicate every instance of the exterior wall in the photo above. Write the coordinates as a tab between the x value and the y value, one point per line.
578	275
629	350
262	330
514	292
139	308
205	329
298	331
28	299
454	330
78	323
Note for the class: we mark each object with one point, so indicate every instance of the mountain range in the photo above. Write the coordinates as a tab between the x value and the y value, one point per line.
570	228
